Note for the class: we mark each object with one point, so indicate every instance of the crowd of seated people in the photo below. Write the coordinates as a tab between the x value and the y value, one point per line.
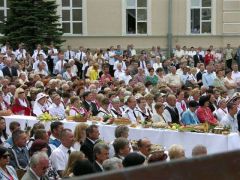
191	86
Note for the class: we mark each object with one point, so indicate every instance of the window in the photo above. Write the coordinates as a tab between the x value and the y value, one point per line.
72	22
136	17
201	16
3	12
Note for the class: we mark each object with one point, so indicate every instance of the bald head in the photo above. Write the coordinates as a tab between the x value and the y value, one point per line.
171	100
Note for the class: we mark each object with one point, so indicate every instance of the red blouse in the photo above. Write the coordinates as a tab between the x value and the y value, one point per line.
205	114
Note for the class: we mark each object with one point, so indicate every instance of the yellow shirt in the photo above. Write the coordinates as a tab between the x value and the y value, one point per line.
93	74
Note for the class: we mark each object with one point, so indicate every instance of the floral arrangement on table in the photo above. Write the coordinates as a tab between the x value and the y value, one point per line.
45	117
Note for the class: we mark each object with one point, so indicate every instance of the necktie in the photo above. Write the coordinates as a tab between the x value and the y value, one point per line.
143	66
69	55
69	152
81	56
134	114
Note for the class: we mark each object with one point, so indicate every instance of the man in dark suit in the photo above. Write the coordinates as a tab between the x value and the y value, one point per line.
197	58
39	164
101	153
9	70
92	133
88	103
199	74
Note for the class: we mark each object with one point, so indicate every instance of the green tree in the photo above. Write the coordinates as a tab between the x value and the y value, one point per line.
32	22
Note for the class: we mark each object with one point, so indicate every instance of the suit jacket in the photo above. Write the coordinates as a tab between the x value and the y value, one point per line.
29	175
87	149
199	77
197	59
6	71
96	167
93	105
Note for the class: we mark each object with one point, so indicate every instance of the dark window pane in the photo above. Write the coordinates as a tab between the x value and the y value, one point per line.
141	15
195	21
1	3
77	15
142	3
131	21
1	15
206	3
142	28
66	27
76	3
65	3
206	14
77	28
206	27
1	27
65	15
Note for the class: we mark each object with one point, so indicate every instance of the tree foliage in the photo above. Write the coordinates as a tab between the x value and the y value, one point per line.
32	22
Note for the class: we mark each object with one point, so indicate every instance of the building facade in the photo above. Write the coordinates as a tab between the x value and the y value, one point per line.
144	23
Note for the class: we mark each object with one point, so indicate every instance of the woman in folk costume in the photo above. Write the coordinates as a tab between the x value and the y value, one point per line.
75	108
21	105
4	107
40	105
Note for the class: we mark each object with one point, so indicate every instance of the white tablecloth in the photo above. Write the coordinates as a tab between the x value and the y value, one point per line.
215	143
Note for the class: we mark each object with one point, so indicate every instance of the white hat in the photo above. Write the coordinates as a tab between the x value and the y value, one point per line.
40	96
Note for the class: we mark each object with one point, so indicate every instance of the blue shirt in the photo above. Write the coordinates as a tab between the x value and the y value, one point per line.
189	117
208	79
54	142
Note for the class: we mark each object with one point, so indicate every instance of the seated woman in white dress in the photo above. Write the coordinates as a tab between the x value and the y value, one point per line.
159	116
40	105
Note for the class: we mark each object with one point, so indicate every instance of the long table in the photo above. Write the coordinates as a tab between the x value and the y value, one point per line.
215	143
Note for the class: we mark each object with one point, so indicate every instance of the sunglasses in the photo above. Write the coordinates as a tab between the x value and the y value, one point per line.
6	156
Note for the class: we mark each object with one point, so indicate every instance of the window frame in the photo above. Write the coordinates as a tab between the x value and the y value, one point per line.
124	18
71	21
4	8
213	18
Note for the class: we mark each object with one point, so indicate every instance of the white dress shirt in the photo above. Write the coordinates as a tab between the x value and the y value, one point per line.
58	67
228	120
124	67
111	57
20	53
35	53
220	113
68	54
59	157
80	55
55	110
132	115
118	74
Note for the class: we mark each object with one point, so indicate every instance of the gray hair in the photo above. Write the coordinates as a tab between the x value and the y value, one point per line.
99	147
176	152
199	150
36	157
120	130
112	164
